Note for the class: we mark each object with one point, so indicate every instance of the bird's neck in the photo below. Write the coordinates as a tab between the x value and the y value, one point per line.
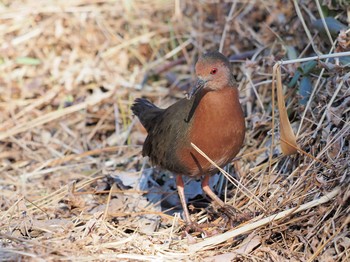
212	99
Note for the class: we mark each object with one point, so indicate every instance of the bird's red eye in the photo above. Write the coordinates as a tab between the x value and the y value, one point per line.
213	71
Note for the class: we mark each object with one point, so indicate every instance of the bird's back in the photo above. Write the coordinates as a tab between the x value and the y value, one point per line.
167	130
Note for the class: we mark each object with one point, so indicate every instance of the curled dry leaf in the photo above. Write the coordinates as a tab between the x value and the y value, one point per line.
288	140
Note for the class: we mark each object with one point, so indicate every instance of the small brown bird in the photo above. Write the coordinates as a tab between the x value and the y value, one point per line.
211	117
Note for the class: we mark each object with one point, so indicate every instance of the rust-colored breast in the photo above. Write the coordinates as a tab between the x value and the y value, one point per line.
218	129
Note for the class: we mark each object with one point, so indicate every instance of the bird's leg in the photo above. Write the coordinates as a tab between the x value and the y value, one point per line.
191	226
181	191
210	193
228	210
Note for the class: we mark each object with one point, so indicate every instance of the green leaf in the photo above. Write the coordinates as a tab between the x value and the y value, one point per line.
305	90
291	52
308	66
344	60
294	79
28	61
334	26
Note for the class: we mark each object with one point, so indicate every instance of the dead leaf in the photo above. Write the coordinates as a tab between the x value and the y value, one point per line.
249	244
288	140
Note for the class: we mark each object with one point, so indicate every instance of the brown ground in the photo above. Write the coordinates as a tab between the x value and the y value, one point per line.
70	156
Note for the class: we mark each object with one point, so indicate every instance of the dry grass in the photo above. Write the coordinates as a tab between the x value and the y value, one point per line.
69	144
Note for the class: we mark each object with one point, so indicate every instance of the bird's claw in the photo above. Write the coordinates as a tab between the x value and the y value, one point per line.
233	216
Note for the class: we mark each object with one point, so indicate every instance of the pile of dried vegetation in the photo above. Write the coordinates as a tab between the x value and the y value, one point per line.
73	183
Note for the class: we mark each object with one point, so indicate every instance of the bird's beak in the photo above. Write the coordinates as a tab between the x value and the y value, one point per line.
196	88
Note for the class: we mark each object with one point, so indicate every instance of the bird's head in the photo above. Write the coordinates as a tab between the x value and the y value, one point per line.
213	71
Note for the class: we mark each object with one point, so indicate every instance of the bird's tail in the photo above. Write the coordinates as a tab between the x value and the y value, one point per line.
146	112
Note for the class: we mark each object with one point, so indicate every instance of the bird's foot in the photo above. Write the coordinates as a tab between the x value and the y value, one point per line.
233	216
193	228
230	215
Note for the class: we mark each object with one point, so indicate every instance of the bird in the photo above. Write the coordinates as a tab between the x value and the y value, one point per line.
210	117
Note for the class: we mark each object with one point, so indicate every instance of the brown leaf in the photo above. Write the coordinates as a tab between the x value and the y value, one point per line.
288	140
